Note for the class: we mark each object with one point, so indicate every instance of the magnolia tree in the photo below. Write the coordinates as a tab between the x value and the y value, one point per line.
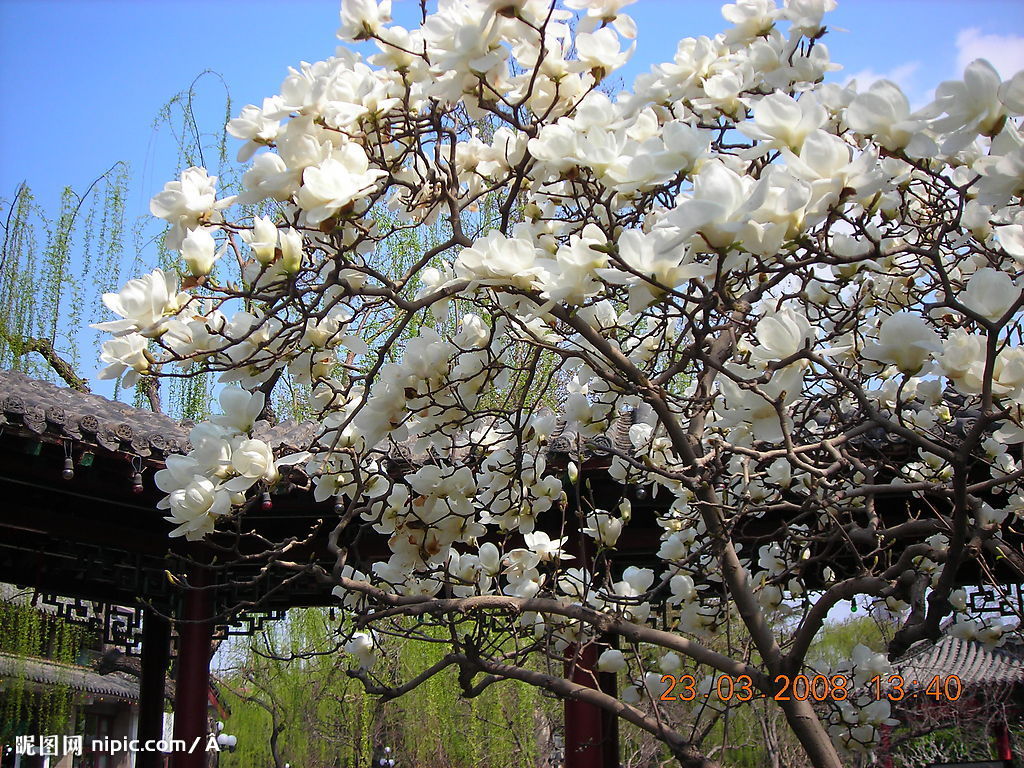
780	279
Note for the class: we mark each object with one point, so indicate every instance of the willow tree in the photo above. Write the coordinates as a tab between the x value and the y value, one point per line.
29	633
56	264
773	278
54	267
293	700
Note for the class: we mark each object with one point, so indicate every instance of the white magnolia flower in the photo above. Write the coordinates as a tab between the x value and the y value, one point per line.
252	460
572	275
657	262
262	239
611	660
675	547
1011	238
125	353
780	472
716	210
211	449
145	303
499	260
638	579
682	588
905	340
362	19
254	127
883	112
187	203
868	664
656	685
241	408
603	527
362	647
600	51
195	507
781	334
490	559
990	293
772	559
631	695
752	18
780	121
770	596
961	352
670	663
269	176
545	547
974	105
291	250
341	179
602	9
805	15
755	412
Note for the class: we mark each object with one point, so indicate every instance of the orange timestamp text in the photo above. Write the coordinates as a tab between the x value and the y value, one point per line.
811	688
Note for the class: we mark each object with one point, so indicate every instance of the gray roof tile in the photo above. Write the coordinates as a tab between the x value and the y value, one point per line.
77	678
974	663
60	413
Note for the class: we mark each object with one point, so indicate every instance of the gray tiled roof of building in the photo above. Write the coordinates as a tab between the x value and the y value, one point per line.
46	672
62	413
58	413
974	663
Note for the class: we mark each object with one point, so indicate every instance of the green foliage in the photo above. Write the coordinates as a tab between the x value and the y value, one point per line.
321	716
967	744
436	727
25	707
835	642
326	718
54	268
194	146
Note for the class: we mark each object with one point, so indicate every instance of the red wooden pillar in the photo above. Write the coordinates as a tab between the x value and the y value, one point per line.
195	632
591	733
610	721
1004	747
583	722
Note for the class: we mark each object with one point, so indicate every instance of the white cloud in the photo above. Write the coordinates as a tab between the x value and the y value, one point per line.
1004	52
903	76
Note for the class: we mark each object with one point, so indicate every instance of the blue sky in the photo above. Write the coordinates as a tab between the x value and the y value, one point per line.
82	80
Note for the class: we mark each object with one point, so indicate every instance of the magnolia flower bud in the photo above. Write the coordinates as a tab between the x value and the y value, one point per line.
291	251
198	249
262	239
611	660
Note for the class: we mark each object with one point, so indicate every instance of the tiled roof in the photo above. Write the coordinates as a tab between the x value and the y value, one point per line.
49	672
61	413
58	413
974	663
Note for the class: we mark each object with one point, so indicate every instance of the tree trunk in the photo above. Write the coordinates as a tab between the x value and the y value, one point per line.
812	735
